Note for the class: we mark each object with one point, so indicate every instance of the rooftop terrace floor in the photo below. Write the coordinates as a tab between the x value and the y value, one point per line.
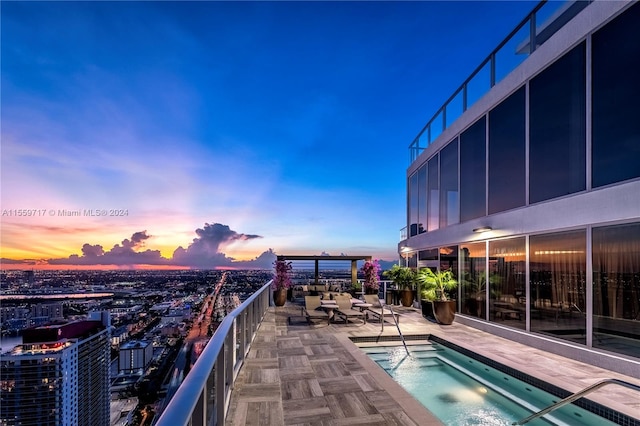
301	374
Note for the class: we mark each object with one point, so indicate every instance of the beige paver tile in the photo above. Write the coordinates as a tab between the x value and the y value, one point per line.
315	376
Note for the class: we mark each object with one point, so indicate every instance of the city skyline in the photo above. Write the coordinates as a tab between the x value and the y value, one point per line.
213	134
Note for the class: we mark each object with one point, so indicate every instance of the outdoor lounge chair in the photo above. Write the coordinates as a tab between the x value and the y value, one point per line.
312	310
378	310
344	308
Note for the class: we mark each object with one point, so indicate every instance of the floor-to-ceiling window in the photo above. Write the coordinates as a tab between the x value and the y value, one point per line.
422	199
449	200
616	288
507	154
557	128
472	282
473	165
507	282
413	204
616	127
558	284
449	261
433	185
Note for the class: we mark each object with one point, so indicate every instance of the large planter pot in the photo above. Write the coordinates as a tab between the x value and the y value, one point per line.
406	298
369	290
444	312
280	297
427	309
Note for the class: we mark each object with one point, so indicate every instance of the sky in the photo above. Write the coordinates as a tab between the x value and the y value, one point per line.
162	134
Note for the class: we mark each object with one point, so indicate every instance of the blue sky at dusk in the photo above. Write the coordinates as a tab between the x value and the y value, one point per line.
224	130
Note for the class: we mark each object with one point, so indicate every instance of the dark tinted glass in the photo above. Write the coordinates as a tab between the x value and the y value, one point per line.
428	258
449	202
557	99
422	199
413	205
473	288
449	262
616	288
434	198
557	264
616	96
473	171
507	154
507	278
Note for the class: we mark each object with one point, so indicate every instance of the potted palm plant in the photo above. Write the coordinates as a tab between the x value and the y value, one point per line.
440	284
405	279
281	281
427	296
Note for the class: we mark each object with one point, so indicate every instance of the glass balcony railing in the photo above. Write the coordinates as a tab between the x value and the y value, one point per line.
204	395
539	25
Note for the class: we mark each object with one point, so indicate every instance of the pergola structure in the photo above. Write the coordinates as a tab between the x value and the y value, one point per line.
318	259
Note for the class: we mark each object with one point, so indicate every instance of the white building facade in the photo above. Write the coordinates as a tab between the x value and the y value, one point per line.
532	195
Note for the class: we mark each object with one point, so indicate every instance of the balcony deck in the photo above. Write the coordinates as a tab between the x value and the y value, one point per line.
298	374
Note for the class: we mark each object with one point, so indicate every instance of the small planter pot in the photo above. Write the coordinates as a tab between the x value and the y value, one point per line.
427	309
406	298
444	312
280	297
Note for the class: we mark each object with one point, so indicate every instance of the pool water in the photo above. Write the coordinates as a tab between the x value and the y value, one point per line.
461	391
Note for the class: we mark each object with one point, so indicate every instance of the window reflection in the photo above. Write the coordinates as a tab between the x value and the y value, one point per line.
449	261
558	280
507	282
434	194
413	204
616	128
557	128
507	154
473	163
449	203
473	290
428	259
422	199
616	288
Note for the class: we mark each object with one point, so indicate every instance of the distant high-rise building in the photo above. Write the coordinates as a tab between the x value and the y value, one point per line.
30	277
135	356
59	375
44	313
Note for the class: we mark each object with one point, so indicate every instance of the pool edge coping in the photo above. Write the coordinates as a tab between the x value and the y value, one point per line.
614	409
414	409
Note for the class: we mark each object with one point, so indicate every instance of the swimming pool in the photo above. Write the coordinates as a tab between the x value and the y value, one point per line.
460	390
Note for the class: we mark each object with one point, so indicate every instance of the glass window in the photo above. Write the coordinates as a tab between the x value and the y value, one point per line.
433	203
507	154
413	205
558	280
411	259
507	282
422	199
473	171
557	128
449	204
616	288
428	259
473	287
449	261
616	127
